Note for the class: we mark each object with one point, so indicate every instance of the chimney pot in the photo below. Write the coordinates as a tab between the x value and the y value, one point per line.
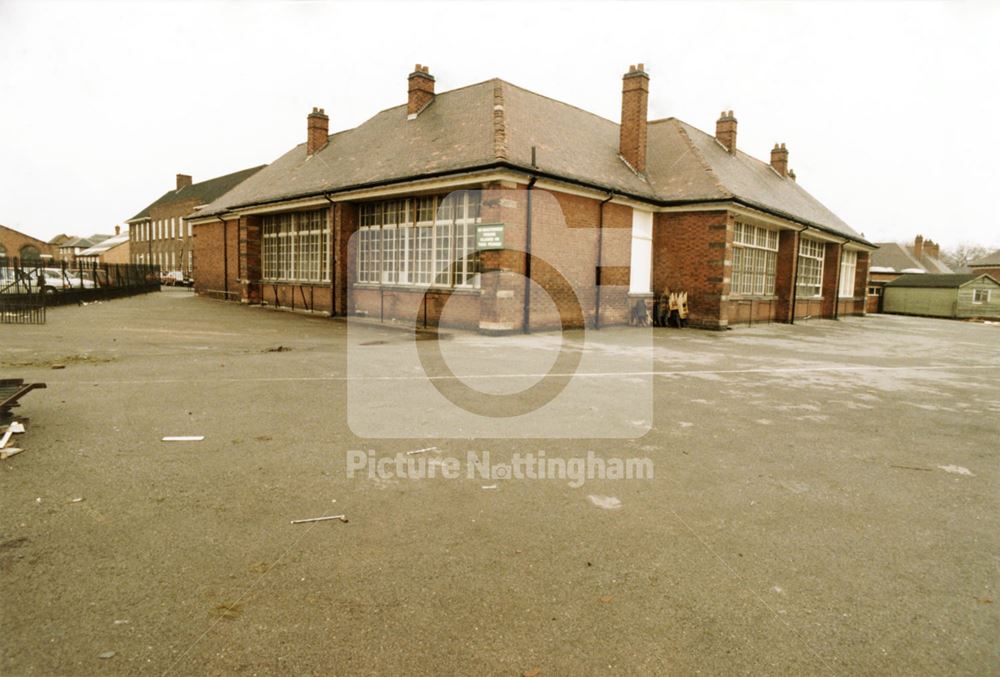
635	107
317	130
779	159
118	230
725	131
420	90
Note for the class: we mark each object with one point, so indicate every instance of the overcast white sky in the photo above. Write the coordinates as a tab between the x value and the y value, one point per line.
890	111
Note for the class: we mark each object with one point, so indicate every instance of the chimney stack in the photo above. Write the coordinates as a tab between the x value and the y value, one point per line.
318	129
725	131
183	180
635	105
118	230
918	247
932	249
779	159
421	90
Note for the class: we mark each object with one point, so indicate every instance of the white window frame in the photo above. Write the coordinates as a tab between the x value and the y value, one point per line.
421	241
295	247
848	272
809	271
755	260
977	292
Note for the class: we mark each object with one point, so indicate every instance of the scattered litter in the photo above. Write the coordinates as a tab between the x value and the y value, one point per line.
957	470
984	600
910	467
77	500
342	518
14	427
38	500
62	366
778	590
122	622
230	612
533	672
607	599
421	451
606	502
107	654
184	438
7	453
685	424
278	349
489	486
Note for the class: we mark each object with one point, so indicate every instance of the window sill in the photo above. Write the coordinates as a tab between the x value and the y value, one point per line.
753	297
416	289
304	283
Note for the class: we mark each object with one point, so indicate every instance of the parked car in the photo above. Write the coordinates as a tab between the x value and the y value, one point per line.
52	280
175	278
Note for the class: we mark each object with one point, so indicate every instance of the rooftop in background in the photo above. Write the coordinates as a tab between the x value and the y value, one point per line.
106	244
952	281
203	192
991	260
495	124
892	257
84	242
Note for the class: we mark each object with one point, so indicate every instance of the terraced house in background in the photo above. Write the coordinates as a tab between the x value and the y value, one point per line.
382	219
158	234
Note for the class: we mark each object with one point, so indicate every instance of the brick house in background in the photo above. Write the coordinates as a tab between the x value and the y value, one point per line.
987	265
382	219
892	259
158	234
72	247
114	249
14	243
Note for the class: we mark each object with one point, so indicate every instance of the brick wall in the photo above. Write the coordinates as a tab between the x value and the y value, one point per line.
12	241
831	279
689	254
167	245
217	260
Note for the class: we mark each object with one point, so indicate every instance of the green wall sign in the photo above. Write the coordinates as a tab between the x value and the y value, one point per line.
489	236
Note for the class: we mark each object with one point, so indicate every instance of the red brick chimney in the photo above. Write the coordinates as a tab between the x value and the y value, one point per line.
932	249
918	247
317	130
183	180
635	104
421	90
779	159
725	131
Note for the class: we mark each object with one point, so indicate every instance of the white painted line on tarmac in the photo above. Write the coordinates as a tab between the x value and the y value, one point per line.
536	375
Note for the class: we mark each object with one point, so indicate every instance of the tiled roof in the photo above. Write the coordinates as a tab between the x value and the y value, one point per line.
203	192
105	244
990	260
686	164
495	124
931	280
900	257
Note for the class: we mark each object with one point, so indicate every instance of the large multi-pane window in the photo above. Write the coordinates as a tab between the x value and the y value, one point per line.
755	256
848	271
420	241
810	275
295	246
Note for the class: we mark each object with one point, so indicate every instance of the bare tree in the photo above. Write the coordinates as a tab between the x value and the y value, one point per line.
958	257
